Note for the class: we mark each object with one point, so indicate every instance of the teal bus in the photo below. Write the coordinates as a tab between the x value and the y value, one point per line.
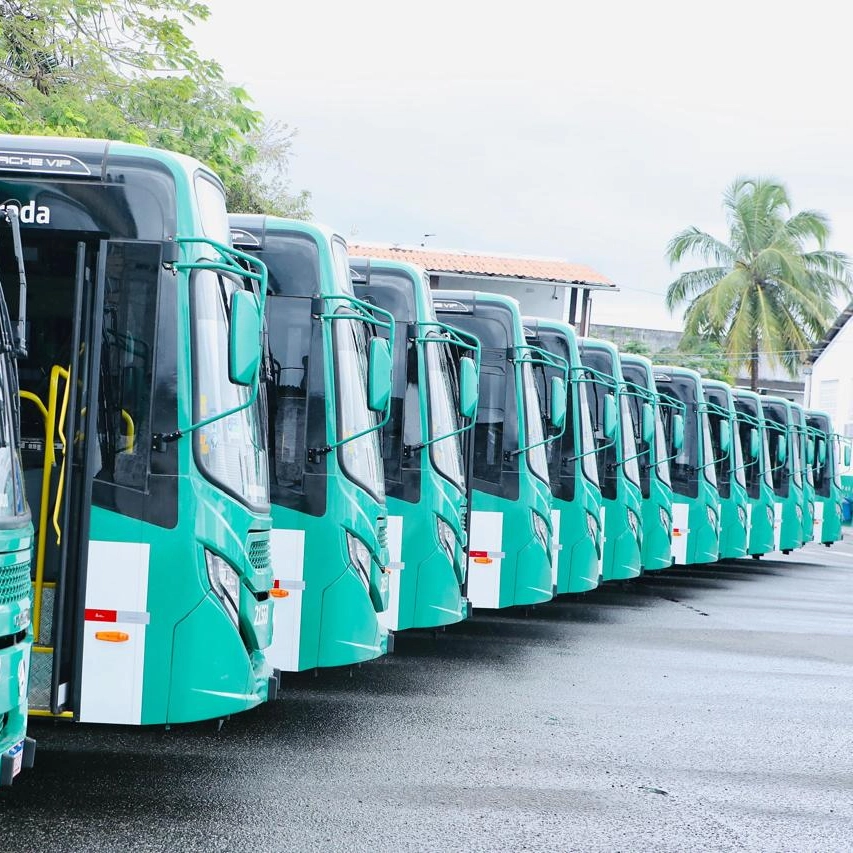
578	538
785	469
695	504
509	544
826	473
618	471
646	406
142	447
729	469
754	441
804	464
17	751
328	390
422	452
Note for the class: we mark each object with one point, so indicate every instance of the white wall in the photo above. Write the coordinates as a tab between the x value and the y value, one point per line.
831	385
536	300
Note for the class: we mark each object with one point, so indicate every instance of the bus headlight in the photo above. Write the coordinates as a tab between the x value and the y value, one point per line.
712	517
225	583
540	528
446	538
359	556
664	518
799	510
771	516
741	514
592	526
633	523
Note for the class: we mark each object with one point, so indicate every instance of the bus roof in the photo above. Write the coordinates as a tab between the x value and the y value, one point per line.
248	230
72	157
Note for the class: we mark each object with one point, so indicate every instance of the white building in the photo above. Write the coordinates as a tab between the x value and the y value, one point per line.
545	287
829	380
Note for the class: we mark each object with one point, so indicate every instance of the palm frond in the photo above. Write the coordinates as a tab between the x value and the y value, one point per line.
688	284
834	266
692	241
808	225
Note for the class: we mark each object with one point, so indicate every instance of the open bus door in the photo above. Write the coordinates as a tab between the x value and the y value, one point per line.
90	597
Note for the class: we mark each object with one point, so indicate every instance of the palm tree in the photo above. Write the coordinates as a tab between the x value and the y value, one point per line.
767	291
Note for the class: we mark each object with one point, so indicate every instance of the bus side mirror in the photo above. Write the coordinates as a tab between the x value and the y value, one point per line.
648	425
781	449
558	402
810	451
821	451
677	431
379	375
846	455
244	345
609	424
725	436
754	445
469	387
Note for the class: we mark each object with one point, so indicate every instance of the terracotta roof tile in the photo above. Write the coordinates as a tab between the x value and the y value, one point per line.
466	263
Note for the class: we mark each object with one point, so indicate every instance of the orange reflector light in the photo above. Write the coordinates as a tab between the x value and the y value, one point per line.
483	560
279	593
112	636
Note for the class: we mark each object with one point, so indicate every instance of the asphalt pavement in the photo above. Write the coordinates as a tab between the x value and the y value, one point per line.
709	709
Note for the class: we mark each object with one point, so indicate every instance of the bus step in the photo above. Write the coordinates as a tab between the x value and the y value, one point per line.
45	637
41	672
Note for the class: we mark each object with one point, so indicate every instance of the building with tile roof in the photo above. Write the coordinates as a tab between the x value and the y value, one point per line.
545	287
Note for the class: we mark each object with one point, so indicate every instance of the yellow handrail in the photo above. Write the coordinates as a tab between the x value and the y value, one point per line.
33	398
131	431
61	484
49	414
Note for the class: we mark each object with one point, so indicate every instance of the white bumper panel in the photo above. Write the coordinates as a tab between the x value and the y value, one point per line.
680	532
390	618
114	630
555	545
288	559
485	558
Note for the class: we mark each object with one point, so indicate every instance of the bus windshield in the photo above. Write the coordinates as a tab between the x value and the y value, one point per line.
708	450
823	472
774	415
798	447
722	462
535	433
446	453
635	375
596	392
588	465
629	446
661	463
230	451
359	458
684	463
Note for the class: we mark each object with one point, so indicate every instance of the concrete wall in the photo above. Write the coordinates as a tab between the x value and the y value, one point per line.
772	379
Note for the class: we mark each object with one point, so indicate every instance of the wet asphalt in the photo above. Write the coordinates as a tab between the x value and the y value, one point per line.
709	709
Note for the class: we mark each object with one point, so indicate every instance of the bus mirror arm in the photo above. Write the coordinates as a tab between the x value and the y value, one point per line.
590	452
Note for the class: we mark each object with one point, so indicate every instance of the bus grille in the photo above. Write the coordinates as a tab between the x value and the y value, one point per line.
259	553
14	582
382	531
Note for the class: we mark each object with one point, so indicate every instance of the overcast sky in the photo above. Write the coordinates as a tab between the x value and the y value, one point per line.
592	134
